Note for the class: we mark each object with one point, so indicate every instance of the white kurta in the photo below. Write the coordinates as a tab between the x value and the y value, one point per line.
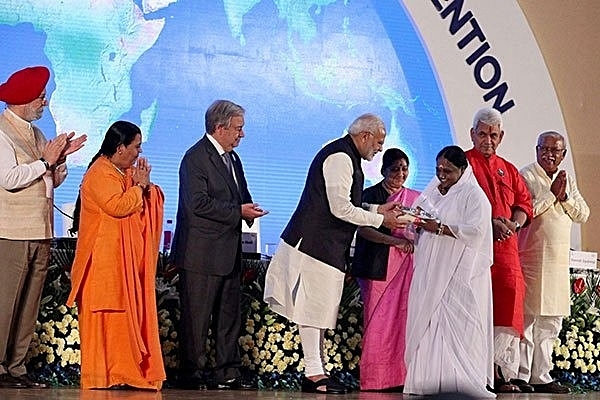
301	288
449	330
544	244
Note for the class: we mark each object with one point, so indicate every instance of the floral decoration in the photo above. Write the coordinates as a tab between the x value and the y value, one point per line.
54	355
269	344
577	350
167	302
578	286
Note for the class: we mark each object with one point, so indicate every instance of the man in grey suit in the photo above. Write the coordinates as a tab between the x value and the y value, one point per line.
213	200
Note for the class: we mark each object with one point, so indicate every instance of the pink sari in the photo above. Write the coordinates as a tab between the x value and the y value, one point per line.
385	310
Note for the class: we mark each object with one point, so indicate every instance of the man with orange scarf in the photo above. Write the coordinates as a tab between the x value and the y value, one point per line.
511	209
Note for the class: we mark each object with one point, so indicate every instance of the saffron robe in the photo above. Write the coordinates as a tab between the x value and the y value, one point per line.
113	280
506	191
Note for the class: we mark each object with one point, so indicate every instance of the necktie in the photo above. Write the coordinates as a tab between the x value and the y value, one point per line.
227	160
229	164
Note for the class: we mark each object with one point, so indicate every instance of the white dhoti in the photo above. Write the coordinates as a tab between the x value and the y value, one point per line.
303	289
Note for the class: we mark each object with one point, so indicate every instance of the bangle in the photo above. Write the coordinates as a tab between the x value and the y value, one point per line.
141	186
46	163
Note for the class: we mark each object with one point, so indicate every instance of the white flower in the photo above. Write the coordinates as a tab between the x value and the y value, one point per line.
591	368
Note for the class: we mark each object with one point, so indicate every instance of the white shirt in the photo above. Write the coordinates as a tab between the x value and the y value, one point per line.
337	171
17	176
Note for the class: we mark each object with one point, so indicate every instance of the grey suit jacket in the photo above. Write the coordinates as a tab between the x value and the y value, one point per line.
208	231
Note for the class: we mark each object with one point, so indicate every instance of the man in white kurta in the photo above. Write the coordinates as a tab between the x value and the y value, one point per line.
305	278
449	338
544	253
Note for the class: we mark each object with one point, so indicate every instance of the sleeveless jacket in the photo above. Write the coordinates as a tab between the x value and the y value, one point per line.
322	235
25	213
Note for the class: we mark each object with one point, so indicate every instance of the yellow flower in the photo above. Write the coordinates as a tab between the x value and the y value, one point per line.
281	367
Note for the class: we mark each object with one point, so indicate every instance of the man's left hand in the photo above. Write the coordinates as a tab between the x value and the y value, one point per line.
73	144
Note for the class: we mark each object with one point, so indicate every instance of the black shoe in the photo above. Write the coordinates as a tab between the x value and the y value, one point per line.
552	387
190	382
122	386
26	379
7	381
523	385
234	384
331	387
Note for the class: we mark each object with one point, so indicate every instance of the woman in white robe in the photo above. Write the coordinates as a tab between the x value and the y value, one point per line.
449	329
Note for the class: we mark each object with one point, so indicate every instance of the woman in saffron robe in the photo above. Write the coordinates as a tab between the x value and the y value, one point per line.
383	262
449	336
113	274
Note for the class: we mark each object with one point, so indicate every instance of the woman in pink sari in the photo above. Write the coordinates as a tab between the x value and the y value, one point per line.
383	262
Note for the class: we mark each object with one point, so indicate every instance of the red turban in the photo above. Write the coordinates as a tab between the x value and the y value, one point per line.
24	86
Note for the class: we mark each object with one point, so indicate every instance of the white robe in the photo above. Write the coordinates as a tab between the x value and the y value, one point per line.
544	244
449	330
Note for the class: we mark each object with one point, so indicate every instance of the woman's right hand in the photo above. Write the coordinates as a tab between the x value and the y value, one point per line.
404	246
141	173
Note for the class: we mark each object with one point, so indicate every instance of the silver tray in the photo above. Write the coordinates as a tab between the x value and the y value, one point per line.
417	213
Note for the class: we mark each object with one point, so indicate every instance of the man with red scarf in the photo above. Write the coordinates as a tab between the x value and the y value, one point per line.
511	209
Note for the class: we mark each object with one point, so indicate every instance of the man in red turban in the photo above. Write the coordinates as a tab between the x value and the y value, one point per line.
30	168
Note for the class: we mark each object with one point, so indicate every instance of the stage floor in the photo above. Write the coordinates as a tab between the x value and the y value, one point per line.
172	394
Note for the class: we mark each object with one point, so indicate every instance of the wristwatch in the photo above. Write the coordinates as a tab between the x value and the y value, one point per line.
46	163
517	226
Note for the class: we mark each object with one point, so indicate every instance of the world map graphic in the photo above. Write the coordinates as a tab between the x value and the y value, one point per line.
302	69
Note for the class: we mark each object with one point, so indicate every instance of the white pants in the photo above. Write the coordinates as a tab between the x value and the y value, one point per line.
506	351
312	347
536	347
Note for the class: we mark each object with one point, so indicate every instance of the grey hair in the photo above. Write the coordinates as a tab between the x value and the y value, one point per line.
220	112
488	116
367	123
551	134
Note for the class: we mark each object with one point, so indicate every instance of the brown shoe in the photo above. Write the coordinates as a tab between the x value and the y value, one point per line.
7	381
523	385
552	387
30	383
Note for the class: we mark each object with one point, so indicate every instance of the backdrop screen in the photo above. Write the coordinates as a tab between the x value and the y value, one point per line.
302	69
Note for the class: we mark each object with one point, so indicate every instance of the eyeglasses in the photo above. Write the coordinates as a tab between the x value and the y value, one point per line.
552	150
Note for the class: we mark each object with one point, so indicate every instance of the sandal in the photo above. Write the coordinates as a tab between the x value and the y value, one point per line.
505	387
331	387
501	385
